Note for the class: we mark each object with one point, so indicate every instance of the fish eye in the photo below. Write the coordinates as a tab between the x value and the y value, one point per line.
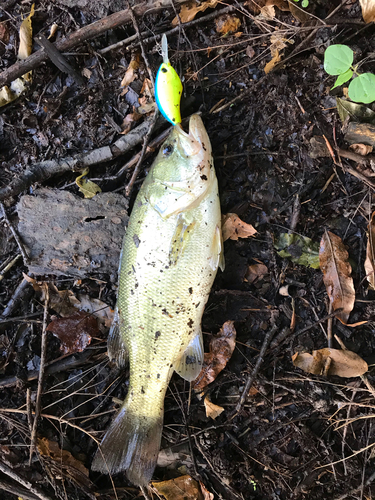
167	150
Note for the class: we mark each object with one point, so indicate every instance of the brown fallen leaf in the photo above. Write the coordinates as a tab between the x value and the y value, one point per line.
180	488
75	332
370	253
256	272
272	63
207	495
212	410
130	73
368	10
129	120
190	9
227	24
52	450
361	149
221	349
88	188
233	227
26	36
341	363
333	258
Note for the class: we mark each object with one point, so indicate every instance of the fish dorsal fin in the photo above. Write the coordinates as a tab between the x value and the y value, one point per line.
117	351
180	238
217	251
190	363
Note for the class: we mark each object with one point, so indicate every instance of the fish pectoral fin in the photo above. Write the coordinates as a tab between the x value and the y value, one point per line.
180	239
217	251
190	363
116	348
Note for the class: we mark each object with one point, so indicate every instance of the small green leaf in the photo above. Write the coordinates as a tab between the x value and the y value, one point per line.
341	79
88	188
298	249
338	59
305	3
362	88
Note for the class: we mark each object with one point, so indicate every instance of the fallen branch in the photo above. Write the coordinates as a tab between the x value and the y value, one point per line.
33	489
86	33
42	171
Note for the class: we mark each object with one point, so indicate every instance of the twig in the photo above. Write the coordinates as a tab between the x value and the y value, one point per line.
16	297
144	55
144	147
250	380
17	490
41	372
9	266
42	171
86	33
204	19
35	491
16	237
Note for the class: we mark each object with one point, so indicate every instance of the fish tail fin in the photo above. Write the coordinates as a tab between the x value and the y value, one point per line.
131	444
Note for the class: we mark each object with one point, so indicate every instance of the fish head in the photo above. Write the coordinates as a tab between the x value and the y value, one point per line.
183	170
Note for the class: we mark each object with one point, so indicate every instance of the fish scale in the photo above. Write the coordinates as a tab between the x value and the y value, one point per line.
171	252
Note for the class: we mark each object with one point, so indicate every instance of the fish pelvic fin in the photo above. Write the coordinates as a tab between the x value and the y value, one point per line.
131	444
117	351
190	363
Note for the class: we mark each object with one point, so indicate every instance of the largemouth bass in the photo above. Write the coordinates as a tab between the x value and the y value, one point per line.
171	252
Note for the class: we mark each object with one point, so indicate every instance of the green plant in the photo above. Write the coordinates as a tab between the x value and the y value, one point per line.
304	3
338	60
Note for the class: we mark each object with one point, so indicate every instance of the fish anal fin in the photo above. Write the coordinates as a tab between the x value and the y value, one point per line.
117	351
217	251
180	239
190	363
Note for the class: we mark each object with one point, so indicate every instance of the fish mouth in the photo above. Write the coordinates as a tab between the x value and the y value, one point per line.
197	138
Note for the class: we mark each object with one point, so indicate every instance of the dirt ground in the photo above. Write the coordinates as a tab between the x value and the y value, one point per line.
297	436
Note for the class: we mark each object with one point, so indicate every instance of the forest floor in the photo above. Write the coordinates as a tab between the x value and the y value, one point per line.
296	435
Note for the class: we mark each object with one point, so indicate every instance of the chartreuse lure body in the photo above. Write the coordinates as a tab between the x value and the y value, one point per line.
168	88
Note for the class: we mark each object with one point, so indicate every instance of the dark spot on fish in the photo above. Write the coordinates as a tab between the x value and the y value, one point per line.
190	290
142	390
136	240
190	360
204	177
157	335
203	146
158	375
190	323
196	305
164	70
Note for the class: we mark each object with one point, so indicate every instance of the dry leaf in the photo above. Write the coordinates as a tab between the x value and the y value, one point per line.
227	24
212	410
361	149
88	188
233	227
368	10
221	349
181	488
128	121
97	308
4	33
256	272
370	253
52	450
340	363
267	12
190	9
336	270
130	73
207	495
26	36
147	103
272	63
74	332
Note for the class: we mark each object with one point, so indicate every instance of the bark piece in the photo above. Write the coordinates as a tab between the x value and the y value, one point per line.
370	253
362	133
69	235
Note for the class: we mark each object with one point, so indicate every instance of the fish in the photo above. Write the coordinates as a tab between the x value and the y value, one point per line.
171	253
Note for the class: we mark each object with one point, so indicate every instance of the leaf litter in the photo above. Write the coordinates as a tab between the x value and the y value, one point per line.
328	361
75	332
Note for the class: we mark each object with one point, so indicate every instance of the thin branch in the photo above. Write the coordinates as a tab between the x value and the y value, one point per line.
21	246
41	371
35	491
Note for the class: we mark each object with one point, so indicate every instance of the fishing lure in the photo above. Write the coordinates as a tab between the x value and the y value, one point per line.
168	88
